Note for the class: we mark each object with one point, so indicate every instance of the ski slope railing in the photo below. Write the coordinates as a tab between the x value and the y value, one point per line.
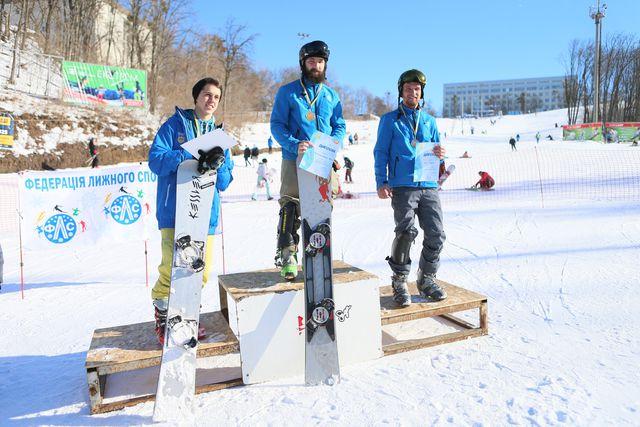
538	176
36	73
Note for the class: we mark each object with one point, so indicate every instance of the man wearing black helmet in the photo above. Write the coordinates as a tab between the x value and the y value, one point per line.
301	108
399	132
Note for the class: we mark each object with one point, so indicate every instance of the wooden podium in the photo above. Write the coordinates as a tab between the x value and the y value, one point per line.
123	362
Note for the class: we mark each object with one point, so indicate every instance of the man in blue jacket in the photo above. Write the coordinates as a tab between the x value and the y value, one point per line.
301	108
395	155
165	156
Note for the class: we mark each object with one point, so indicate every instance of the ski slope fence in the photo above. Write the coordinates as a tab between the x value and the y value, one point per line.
542	176
36	73
536	177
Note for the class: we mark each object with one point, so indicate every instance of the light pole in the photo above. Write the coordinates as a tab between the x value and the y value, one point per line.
597	14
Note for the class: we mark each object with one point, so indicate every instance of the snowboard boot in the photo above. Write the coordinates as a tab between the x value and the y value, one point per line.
428	286
202	332
401	294
289	259
161	323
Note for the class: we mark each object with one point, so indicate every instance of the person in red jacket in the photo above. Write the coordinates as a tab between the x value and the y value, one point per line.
485	182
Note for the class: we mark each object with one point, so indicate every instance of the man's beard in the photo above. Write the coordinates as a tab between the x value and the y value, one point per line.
314	79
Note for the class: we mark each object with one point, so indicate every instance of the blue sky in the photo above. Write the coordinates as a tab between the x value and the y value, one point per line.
451	41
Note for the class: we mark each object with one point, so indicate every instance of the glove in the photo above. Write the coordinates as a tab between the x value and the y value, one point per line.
210	160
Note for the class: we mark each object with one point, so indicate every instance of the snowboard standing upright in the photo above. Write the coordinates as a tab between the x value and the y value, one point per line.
321	351
176	383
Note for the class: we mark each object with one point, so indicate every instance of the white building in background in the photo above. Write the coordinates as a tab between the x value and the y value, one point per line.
506	96
114	36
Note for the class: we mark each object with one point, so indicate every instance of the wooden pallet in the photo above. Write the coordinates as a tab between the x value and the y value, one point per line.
135	347
458	300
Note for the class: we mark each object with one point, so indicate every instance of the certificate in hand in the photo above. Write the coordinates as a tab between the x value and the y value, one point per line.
217	138
319	158
427	164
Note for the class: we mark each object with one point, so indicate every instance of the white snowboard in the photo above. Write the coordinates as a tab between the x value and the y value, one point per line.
176	383
321	350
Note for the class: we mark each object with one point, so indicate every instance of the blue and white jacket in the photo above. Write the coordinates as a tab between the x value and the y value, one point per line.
289	124
394	155
166	154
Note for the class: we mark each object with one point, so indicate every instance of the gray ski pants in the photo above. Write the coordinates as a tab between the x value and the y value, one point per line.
409	202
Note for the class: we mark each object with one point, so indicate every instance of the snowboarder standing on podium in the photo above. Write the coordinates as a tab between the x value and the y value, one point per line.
395	154
165	156
301	108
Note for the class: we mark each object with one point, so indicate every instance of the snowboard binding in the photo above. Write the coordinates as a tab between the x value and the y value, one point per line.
318	238
320	315
182	331
189	254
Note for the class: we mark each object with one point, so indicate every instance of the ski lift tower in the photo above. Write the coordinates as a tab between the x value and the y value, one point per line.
597	14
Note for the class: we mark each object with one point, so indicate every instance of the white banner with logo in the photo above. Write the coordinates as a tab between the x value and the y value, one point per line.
74	208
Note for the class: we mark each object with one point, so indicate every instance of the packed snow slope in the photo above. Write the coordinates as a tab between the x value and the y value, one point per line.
560	273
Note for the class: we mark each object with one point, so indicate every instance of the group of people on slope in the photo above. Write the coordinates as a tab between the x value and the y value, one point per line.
302	107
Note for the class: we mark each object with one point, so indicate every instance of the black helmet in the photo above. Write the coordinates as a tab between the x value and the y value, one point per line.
412	76
316	48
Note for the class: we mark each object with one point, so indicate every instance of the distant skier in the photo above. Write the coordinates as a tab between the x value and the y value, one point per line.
254	154
247	156
517	137
93	153
537	137
355	138
301	108
549	137
512	142
394	164
485	182
350	139
465	155
165	155
348	166
263	180
270	144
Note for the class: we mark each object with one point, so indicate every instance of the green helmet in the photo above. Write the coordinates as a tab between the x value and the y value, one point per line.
412	76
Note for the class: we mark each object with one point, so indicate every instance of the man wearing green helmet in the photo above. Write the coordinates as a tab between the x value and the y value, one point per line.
399	132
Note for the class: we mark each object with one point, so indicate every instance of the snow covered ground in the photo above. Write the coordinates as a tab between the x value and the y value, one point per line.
560	273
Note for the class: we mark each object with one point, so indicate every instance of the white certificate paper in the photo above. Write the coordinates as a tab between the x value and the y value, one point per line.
427	164
216	138
319	158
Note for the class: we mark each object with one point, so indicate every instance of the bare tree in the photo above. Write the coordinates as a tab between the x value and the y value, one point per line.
522	101
165	17
233	52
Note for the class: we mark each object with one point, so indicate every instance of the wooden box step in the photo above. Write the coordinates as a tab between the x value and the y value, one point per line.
118	351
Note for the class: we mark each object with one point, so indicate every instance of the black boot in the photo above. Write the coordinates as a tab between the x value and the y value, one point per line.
401	294
428	286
